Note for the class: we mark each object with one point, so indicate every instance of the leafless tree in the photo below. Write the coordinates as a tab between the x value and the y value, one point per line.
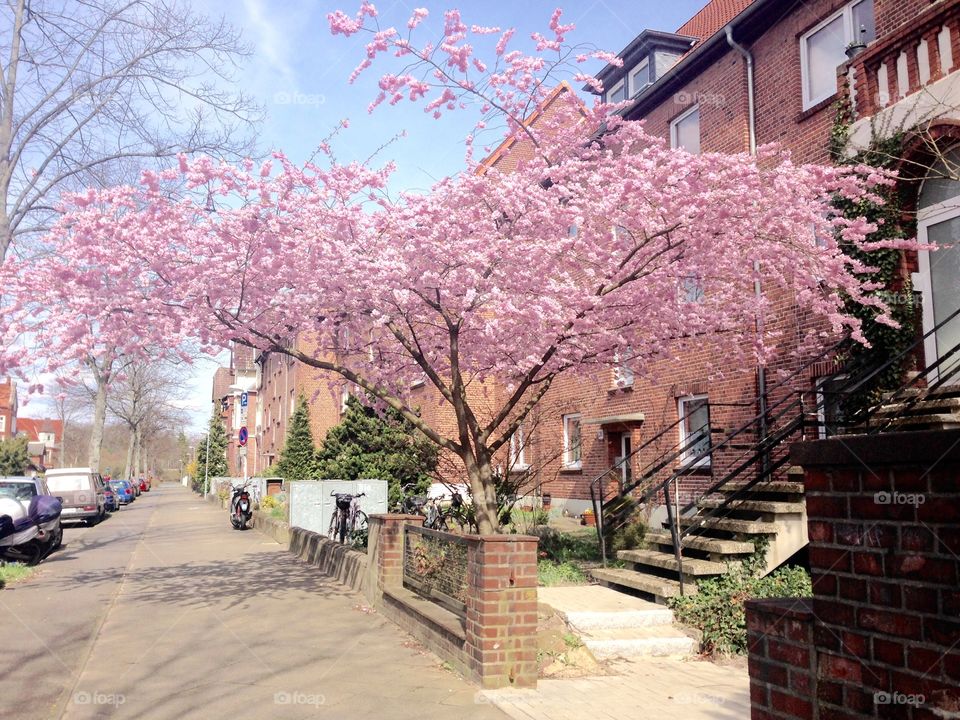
93	89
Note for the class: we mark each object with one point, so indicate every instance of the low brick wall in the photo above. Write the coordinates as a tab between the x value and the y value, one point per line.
332	559
273	527
884	524
495	643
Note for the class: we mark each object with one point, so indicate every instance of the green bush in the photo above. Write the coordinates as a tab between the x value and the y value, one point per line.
565	547
554	573
717	608
625	526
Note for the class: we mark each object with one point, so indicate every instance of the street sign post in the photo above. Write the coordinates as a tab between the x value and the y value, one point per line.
242	436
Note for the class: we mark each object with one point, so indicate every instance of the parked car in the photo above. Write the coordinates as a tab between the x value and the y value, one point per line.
80	489
135	485
143	485
123	491
111	502
24	489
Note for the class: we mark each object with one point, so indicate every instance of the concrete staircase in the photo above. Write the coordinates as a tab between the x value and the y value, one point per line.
919	409
614	625
773	510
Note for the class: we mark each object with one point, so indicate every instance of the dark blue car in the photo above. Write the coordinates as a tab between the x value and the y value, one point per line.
123	490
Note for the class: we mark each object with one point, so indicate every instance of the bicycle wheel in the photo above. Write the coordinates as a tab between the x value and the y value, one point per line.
360	522
343	528
334	524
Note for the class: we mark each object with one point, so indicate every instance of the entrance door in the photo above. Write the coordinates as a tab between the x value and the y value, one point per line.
938	224
939	276
626	469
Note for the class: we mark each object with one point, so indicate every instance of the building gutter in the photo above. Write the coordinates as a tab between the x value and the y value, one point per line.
701	54
757	290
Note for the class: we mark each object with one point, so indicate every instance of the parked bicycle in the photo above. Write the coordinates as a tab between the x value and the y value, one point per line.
411	504
348	518
440	516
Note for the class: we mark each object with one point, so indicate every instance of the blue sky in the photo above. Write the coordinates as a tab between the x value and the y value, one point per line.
299	73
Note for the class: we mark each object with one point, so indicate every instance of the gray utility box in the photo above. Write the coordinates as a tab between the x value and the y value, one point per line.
312	505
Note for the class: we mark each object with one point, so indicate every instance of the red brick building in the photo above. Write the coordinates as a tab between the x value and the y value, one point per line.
737	75
45	440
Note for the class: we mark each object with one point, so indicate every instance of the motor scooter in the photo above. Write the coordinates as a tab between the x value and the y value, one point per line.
241	508
29	530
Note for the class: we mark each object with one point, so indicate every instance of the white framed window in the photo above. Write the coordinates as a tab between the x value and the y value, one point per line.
572	442
694	412
518	450
639	77
691	289
344	398
618	93
823	49
46	437
622	370
3	423
685	130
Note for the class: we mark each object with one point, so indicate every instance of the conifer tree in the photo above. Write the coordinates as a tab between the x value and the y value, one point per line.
297	459
368	445
218	453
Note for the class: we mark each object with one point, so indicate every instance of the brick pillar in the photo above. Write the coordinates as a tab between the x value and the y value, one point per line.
782	660
501	623
933	52
884	554
385	553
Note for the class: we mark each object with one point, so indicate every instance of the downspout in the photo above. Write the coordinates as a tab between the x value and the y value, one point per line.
752	134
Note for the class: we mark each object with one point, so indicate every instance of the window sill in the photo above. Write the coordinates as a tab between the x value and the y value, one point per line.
816	108
571	469
620	389
696	468
520	468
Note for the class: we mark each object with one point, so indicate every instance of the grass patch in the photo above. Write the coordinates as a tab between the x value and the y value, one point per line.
14	572
553	573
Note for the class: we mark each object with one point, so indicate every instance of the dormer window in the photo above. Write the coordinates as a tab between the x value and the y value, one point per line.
617	93
639	77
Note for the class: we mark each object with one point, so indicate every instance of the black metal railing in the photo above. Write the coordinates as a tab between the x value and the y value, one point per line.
758	449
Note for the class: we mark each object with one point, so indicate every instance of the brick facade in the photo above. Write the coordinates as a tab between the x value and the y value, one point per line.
882	629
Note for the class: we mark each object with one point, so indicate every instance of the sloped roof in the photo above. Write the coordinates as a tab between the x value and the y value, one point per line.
711	17
32	427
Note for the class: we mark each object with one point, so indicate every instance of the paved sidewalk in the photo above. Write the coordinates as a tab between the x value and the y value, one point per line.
187	618
648	687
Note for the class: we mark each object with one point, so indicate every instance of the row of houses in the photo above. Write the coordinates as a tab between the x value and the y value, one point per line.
737	75
44	435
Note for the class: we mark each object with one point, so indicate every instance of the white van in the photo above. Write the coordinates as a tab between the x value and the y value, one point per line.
81	492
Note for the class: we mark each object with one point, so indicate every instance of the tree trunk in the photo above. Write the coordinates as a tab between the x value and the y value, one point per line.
128	468
483	489
99	418
137	453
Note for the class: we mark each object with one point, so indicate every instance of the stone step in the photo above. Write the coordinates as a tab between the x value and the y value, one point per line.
769	507
733	525
927	405
667	561
593	607
657	586
945	420
702	542
783	487
648	642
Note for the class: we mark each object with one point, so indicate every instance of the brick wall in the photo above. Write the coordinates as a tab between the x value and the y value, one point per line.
496	642
884	526
782	662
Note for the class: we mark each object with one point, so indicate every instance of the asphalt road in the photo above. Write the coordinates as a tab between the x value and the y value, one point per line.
164	611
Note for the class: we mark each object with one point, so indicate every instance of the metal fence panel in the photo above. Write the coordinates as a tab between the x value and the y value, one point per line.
312	506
